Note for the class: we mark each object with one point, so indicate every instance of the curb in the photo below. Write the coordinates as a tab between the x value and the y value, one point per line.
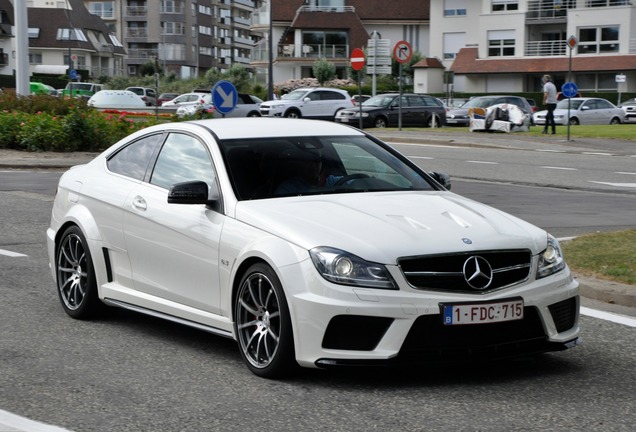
607	291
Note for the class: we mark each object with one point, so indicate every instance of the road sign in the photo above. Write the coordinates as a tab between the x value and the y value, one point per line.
402	52
357	59
572	41
73	74
224	97
569	90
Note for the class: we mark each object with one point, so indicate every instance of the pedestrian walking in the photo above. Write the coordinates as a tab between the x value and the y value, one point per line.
550	101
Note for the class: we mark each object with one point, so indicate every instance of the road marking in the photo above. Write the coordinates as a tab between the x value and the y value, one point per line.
608	316
627	185
551	151
421	157
626	173
11	254
483	162
559	168
18	423
597	154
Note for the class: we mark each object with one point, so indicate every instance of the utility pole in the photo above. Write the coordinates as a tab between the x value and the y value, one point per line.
22	47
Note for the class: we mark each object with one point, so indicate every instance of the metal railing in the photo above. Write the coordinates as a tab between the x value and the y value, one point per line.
313	51
136	11
546	48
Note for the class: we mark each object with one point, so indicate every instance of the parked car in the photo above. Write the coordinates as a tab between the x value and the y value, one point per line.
81	89
372	262
38	88
246	106
583	111
459	116
358	99
312	103
533	105
629	106
188	99
383	111
116	99
148	95
165	97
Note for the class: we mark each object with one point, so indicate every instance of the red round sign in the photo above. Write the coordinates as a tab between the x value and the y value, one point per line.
402	52
357	59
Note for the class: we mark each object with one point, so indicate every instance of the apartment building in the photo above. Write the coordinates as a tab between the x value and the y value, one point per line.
507	45
61	33
185	37
306	30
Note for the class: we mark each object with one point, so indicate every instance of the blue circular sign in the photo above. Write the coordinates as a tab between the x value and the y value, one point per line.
569	90
224	97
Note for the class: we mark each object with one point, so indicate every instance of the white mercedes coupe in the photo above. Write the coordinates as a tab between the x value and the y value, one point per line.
310	243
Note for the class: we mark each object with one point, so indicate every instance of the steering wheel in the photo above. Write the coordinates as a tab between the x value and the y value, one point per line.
350	177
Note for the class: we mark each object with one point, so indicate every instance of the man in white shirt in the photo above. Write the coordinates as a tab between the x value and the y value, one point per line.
550	101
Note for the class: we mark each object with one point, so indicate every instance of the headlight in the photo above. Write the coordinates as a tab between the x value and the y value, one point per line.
343	268
551	259
277	106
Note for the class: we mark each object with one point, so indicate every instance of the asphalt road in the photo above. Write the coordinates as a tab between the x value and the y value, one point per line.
128	372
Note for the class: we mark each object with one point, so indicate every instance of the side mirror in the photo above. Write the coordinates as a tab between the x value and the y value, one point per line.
441	178
193	192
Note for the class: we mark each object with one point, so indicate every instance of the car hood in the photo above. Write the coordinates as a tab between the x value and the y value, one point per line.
382	227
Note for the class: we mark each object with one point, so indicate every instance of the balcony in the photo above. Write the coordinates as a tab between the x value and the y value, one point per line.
546	48
313	51
542	11
136	11
137	33
143	54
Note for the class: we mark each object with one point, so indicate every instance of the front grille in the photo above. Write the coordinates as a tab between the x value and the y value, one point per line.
564	314
430	340
446	272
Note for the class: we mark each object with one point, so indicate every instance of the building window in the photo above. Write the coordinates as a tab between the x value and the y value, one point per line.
593	82
598	40
454	8
453	42
171	6
35	58
173	28
325	44
103	9
501	43
505	5
71	34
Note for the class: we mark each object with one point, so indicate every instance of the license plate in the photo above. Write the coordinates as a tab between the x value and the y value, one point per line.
482	313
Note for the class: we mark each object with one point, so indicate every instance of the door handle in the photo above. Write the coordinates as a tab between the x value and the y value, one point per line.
139	203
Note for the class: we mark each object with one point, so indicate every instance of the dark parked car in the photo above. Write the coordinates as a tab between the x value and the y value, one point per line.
383	110
459	116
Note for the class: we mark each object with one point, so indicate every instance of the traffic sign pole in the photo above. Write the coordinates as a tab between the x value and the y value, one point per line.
402	53
357	63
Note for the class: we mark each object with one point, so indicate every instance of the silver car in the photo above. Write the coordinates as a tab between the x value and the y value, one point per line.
583	111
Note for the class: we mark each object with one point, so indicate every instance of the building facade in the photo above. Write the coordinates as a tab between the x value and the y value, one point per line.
61	33
305	30
507	45
185	37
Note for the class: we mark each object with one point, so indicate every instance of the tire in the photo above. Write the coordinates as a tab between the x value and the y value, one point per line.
254	114
293	114
76	285
262	324
615	121
380	122
574	121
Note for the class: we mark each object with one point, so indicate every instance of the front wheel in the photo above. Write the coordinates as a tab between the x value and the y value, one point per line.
292	114
574	121
380	122
76	283
615	121
262	323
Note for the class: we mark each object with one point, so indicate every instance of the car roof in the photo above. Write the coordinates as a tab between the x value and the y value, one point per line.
263	127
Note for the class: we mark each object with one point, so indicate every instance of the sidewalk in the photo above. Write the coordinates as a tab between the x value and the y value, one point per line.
591	288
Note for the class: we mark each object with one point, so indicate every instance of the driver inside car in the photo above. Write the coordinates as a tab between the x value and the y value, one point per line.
306	173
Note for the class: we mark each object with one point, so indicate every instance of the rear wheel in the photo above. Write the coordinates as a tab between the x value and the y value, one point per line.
380	122
262	323
76	283
433	121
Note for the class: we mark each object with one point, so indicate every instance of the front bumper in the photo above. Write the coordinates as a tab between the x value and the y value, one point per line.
338	325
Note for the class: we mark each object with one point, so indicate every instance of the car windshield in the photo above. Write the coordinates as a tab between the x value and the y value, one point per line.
295	95
576	103
479	102
290	166
379	100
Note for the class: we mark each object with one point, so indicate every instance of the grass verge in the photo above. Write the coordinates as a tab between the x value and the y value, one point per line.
604	255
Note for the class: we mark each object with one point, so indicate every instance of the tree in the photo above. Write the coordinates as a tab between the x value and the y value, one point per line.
324	71
407	68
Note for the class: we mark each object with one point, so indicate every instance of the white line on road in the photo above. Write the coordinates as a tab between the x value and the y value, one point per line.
559	168
11	254
420	157
626	173
550	151
608	316
597	154
627	185
483	162
18	423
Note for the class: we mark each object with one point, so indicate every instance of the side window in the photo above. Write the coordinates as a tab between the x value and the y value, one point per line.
151	93
601	104
133	160
335	96
182	158
314	96
416	101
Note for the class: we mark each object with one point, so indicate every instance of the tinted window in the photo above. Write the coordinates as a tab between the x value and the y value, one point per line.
182	158
133	160
416	101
